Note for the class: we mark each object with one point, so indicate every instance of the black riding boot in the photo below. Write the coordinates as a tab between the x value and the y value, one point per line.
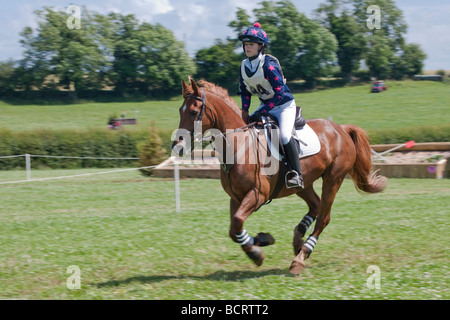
294	177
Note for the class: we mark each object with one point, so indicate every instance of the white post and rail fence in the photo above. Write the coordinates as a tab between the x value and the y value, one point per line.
410	170
29	178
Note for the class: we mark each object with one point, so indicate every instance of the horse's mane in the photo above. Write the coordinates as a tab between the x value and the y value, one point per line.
215	90
219	91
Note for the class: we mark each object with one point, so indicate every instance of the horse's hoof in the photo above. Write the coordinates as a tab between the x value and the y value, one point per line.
298	264
264	239
256	255
297	242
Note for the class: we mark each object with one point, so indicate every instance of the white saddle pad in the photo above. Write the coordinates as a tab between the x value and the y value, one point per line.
309	143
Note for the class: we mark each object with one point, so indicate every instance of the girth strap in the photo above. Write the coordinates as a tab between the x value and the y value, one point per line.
279	185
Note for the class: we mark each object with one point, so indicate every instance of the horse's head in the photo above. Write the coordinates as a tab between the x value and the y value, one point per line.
195	116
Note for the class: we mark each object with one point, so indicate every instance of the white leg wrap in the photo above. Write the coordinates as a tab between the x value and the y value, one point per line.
244	238
310	243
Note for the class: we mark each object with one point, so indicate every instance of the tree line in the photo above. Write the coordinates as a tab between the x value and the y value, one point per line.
129	57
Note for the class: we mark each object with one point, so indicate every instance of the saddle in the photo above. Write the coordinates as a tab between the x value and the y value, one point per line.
308	144
300	121
268	122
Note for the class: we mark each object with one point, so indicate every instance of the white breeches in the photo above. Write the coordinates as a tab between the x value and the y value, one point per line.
285	115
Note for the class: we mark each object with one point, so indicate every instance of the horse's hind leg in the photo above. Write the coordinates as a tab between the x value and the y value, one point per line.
330	188
313	201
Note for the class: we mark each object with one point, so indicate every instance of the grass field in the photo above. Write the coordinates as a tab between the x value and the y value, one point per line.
123	233
404	104
88	115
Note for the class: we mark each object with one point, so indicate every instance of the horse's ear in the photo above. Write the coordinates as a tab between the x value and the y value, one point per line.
195	88
185	87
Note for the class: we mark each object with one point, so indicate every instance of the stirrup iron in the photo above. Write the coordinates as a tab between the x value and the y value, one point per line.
299	179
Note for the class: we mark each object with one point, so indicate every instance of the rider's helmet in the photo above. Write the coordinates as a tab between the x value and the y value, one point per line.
255	34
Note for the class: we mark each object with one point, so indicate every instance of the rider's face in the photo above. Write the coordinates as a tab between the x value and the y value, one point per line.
252	48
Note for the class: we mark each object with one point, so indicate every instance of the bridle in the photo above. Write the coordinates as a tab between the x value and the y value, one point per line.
203	107
202	112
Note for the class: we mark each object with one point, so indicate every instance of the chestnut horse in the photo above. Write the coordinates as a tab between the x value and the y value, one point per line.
344	150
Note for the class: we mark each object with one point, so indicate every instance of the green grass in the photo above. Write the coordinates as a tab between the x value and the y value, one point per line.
122	230
404	104
88	115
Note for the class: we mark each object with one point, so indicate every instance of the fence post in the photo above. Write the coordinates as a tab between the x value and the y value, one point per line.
28	166
176	171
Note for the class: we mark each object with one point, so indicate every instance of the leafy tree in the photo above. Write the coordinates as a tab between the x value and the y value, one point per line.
125	52
7	71
71	56
240	24
393	26
384	49
412	59
107	50
164	59
379	57
219	64
147	58
386	43
335	16
318	55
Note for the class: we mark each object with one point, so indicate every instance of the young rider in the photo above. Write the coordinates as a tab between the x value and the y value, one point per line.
261	75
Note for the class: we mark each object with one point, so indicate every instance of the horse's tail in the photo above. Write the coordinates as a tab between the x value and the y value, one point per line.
365	179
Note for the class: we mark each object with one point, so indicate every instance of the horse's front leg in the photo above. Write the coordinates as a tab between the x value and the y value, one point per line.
239	212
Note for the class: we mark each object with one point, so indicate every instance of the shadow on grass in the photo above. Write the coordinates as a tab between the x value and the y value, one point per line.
216	276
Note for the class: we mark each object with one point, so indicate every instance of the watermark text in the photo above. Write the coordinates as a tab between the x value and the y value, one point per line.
374	20
374	281
74	21
74	281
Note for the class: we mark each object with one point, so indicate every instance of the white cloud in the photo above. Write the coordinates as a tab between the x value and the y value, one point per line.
428	26
150	7
198	23
18	18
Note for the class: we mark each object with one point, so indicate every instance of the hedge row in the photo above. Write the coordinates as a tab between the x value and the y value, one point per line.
439	133
148	146
89	143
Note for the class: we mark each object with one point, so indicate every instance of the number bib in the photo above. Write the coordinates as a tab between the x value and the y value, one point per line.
256	83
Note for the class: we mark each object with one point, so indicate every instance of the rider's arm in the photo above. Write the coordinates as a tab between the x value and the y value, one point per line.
246	97
273	74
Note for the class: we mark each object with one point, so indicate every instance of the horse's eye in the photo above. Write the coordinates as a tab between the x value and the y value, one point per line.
194	113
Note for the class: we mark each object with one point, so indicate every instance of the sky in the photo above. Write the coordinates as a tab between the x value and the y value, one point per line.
200	22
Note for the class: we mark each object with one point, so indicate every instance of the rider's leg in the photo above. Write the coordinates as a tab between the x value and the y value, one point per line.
285	115
294	177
